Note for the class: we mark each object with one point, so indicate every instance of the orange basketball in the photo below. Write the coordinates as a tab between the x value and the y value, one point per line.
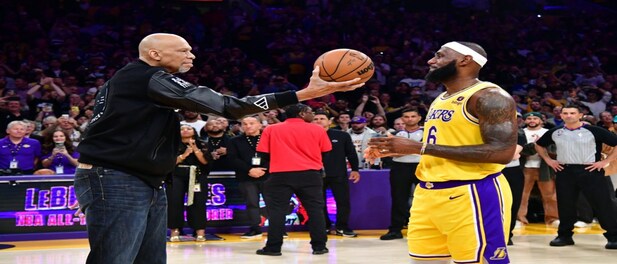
344	64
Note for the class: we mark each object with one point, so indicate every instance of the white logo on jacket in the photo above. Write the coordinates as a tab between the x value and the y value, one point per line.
262	103
181	82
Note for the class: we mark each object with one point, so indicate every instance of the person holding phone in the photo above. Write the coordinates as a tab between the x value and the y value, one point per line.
58	153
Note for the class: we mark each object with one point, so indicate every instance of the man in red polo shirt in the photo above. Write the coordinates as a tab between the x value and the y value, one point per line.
295	148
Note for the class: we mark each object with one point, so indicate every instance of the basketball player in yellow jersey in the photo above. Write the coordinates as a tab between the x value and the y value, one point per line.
461	210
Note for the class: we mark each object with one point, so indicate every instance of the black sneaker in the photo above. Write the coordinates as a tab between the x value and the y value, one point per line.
611	245
265	252
346	233
391	235
320	251
251	234
285	235
561	241
510	243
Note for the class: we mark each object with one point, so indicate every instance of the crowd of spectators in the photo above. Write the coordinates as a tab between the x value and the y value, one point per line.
54	55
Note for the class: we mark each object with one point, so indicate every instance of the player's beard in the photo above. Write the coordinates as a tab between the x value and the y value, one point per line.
442	74
532	125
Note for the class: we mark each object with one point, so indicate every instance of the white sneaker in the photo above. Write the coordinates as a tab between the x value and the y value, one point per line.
580	224
175	239
518	224
555	223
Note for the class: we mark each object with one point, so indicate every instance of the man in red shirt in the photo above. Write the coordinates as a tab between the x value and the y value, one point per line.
295	148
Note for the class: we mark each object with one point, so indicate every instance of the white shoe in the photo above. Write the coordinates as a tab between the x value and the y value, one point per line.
580	224
518	224
555	223
174	239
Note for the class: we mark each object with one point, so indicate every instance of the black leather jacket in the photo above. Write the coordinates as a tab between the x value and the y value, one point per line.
135	128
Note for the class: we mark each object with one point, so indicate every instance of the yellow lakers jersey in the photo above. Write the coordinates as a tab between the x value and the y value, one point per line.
449	124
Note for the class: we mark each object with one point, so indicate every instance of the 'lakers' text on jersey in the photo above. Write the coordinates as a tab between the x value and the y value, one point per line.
448	123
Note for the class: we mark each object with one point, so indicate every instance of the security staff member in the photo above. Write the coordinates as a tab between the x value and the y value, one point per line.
251	170
579	168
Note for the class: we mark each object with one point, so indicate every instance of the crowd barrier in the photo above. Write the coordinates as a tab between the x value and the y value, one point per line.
38	206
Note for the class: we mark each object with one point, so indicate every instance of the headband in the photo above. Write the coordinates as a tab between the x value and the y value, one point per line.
462	49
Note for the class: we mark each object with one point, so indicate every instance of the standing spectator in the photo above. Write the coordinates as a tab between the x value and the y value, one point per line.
556	119
193	119
342	121
69	125
251	171
58	153
336	179
12	113
606	120
402	176
18	154
379	124
295	139
536	170
216	142
596	100
188	179
579	169
360	136
132	141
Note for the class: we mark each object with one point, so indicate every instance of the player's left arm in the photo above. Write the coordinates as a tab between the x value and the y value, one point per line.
496	112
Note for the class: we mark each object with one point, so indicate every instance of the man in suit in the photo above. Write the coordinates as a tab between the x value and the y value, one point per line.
251	170
335	165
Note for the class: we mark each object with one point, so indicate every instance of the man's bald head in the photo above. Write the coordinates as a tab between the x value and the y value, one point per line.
169	51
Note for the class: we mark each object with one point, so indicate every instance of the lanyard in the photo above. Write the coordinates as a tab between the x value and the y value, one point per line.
16	149
251	143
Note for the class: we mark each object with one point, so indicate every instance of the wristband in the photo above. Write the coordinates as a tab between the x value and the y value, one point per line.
423	148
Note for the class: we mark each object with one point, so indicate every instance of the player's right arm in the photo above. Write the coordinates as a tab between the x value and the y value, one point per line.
495	110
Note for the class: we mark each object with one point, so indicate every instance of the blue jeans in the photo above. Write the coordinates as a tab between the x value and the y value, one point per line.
126	218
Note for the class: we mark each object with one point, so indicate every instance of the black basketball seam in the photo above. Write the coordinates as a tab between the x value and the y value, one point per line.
323	67
354	70
339	63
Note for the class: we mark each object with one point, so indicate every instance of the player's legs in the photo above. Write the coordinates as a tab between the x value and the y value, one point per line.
468	223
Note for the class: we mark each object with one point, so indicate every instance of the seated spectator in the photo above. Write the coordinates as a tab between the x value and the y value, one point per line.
58	153
18	154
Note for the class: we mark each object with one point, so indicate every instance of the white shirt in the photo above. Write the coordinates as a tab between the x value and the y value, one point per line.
533	161
198	125
415	136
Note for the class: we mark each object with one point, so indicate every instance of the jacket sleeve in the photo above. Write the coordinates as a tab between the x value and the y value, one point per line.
171	91
233	155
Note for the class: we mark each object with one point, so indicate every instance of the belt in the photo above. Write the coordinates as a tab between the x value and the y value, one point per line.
84	166
573	165
452	184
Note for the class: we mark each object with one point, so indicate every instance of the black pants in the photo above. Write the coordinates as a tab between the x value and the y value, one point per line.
574	179
340	190
250	191
516	180
402	177
278	189
196	213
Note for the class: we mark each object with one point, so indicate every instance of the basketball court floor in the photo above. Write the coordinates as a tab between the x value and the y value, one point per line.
530	246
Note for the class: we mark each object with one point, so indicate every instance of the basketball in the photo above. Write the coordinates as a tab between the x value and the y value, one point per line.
341	65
